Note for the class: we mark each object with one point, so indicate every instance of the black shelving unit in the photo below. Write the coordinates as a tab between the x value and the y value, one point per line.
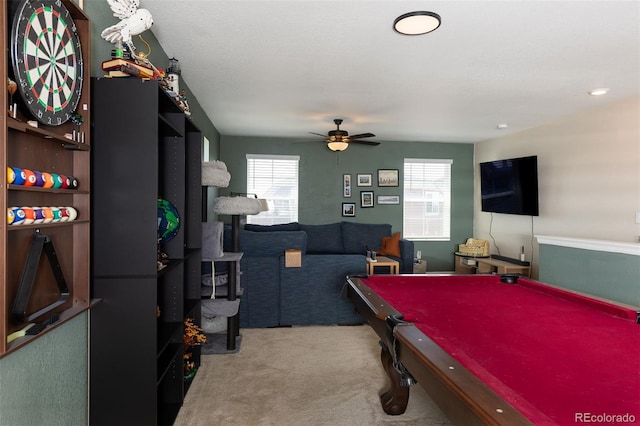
145	149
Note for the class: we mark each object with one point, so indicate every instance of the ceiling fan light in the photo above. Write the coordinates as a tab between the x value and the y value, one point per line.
416	23
337	146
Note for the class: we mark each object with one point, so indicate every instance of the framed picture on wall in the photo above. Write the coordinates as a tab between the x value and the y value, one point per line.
346	185
349	209
364	179
388	177
366	198
388	199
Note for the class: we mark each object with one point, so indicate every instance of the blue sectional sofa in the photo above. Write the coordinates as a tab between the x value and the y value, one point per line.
276	295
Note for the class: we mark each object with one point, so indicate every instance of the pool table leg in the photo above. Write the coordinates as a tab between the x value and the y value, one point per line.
394	401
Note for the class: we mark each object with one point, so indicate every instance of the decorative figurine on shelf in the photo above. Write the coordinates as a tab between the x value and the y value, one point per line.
193	336
77	121
133	21
11	88
168	220
173	75
182	102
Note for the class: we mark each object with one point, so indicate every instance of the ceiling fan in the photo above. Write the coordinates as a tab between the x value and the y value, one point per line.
339	140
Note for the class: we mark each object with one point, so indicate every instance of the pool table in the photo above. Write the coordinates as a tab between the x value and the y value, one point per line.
503	349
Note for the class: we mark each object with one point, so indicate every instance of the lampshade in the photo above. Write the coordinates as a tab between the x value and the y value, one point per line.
214	173
338	146
416	23
239	205
264	206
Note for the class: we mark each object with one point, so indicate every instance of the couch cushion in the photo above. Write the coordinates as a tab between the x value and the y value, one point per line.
390	246
357	236
293	226
324	238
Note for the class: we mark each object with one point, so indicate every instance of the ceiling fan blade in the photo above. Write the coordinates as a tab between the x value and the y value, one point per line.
318	134
362	135
372	143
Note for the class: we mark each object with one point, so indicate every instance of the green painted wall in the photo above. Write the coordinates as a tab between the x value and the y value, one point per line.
613	276
46	382
321	174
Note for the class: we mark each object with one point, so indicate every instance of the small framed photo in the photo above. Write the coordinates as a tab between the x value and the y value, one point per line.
366	199
364	179
349	209
388	177
346	185
388	199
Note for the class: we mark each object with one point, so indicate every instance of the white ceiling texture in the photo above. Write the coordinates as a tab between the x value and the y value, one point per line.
286	68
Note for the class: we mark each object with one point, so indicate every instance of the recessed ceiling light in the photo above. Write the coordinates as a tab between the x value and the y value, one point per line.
416	23
502	126
599	92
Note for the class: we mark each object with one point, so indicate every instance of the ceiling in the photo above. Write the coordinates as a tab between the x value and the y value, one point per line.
286	68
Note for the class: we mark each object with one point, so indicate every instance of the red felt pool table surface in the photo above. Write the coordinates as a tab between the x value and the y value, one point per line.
557	357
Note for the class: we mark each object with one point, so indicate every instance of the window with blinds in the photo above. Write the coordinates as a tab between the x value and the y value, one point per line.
274	178
427	199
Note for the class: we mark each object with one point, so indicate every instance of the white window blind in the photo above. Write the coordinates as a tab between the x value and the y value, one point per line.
274	178
427	199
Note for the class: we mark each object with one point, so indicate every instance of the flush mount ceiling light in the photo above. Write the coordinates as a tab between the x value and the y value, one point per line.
416	23
599	92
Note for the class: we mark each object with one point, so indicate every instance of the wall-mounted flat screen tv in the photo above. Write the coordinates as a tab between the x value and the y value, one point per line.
510	186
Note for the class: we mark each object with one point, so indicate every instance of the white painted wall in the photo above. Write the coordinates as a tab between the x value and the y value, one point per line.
588	177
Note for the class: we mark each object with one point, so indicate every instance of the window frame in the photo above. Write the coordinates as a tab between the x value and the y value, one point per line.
271	217
435	200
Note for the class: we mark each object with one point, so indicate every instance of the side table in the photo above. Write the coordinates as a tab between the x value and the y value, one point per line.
393	265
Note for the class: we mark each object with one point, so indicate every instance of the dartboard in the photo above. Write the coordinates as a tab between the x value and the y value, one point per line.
47	60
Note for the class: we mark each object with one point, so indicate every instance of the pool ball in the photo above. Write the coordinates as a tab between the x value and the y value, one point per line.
11	175
39	178
20	176
10	216
18	216
48	215
73	213
64	214
48	180
29	215
30	177
39	215
57	180
57	214
73	183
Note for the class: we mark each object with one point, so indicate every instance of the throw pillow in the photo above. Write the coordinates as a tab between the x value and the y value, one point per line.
356	237
390	246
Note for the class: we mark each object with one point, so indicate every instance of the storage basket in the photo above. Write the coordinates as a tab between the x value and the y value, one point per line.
474	247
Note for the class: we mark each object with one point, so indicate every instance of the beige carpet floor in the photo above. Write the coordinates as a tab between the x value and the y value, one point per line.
312	376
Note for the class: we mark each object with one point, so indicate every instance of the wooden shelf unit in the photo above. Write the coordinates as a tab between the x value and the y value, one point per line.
44	149
487	265
144	148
